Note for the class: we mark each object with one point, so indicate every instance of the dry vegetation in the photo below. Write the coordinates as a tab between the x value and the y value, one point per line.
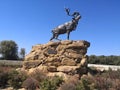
108	80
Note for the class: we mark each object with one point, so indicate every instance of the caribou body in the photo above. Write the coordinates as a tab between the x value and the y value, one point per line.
66	27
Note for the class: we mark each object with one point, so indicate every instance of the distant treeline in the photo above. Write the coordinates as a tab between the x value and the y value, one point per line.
107	60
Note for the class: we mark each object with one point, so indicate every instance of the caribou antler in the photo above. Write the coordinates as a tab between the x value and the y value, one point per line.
73	15
68	11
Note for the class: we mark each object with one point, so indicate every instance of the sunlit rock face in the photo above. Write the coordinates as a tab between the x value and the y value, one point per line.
63	58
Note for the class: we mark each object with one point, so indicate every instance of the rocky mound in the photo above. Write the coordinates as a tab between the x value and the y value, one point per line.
63	58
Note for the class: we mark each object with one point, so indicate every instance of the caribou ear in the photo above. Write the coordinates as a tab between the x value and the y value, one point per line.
74	14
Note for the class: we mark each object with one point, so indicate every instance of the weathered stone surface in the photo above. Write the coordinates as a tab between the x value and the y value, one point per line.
42	68
39	68
60	74
52	43
67	69
84	61
53	59
31	64
73	55
52	68
63	58
68	62
66	42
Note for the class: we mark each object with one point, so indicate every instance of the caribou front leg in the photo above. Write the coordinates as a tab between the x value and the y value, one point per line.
68	34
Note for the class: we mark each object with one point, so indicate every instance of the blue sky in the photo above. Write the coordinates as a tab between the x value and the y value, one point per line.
29	22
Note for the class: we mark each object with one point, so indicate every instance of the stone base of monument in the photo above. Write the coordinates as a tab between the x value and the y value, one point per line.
64	58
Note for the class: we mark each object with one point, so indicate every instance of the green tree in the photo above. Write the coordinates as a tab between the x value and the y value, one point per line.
22	53
107	60
9	50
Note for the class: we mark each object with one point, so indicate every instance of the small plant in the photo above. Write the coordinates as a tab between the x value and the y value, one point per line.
67	86
56	80
70	84
51	83
85	83
4	77
16	79
102	83
46	85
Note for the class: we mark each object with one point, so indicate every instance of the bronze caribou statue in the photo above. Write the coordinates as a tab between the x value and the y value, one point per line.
67	27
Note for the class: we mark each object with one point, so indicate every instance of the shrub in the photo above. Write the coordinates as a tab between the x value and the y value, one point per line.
30	84
113	74
46	85
16	79
70	84
108	80
102	83
56	80
80	86
116	84
67	86
86	83
51	83
4	77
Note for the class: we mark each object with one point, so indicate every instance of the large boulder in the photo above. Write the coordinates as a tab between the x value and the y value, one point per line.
66	57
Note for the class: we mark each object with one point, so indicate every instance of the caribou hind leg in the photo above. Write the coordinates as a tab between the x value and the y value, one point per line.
52	37
55	36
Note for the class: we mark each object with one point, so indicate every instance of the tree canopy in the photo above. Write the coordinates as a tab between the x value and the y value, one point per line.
9	50
22	53
107	60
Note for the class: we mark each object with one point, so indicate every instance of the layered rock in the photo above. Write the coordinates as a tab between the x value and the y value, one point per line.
63	58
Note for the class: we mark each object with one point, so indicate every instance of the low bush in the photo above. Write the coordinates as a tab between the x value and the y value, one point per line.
108	80
70	84
16	79
51	83
67	86
4	77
